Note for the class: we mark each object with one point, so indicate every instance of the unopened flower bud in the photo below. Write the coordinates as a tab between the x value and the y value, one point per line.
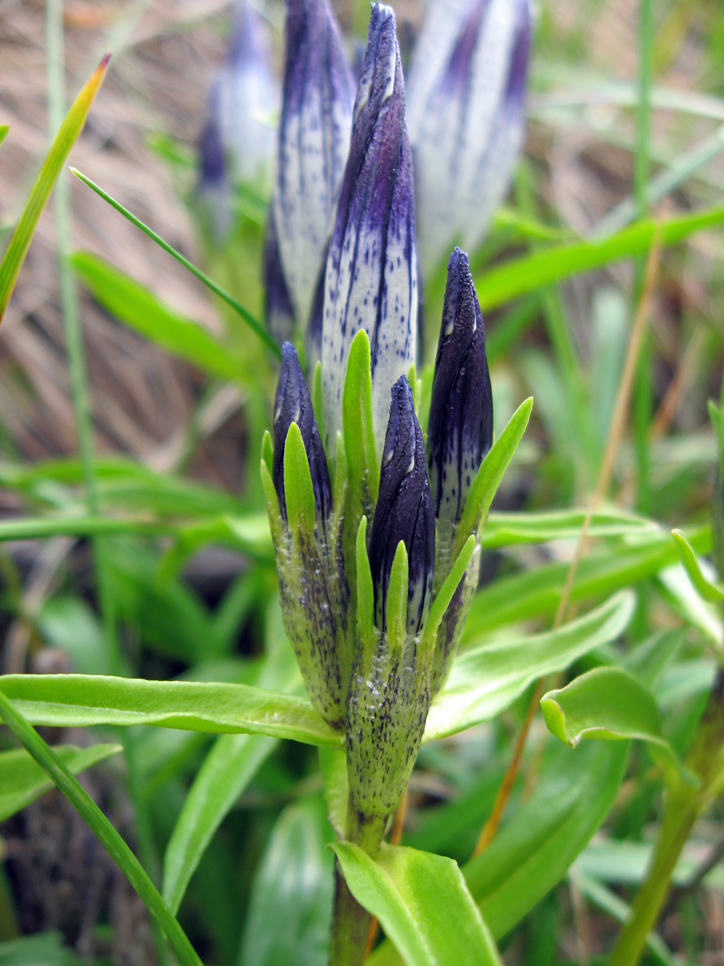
371	277
460	427
293	404
314	131
404	512
466	119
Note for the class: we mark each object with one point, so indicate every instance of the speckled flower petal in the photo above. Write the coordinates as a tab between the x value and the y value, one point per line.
371	278
466	119
293	404
314	132
460	427
404	512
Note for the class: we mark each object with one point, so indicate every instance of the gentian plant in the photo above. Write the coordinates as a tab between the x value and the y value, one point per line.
378	468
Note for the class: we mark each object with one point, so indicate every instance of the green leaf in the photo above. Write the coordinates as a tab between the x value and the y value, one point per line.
227	769
508	528
77	700
365	590
40	193
333	766
298	489
139	309
487	679
359	439
422	903
537	592
292	886
519	276
491	473
611	704
22	780
254	324
713	593
397	601
4	128
46	948
534	850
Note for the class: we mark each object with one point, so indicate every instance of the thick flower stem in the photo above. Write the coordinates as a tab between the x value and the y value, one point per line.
682	806
676	824
350	921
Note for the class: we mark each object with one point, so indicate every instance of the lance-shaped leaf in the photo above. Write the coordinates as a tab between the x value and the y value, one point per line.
371	277
403	512
466	118
460	427
293	404
313	141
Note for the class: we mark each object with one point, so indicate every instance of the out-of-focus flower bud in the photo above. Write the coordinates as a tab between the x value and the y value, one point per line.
278	310
465	116
314	131
213	188
371	278
248	93
293	404
306	530
404	513
460	427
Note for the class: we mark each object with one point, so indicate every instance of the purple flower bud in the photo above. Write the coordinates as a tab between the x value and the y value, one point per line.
460	427
293	404
278	310
371	279
213	189
466	93
404	512
314	133
248	98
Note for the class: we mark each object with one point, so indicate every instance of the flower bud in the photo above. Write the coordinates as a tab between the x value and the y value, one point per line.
293	404
466	117
314	131
460	427
371	275
404	513
278	310
248	99
213	190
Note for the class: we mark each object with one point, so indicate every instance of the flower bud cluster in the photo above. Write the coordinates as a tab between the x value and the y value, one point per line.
375	566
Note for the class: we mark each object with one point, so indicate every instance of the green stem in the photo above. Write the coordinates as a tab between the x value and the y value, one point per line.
101	827
350	920
643	392
676	824
682	807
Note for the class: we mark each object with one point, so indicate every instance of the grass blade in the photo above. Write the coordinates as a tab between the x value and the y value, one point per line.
64	141
518	276
254	324
101	827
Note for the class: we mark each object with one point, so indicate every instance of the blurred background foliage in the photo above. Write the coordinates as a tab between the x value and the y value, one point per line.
176	451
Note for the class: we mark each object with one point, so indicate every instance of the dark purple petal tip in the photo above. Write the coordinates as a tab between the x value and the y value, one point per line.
293	404
404	512
460	428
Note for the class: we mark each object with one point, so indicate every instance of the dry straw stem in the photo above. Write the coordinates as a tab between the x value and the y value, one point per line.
615	434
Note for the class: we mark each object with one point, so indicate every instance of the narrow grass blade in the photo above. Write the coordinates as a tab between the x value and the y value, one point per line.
64	141
254	324
712	592
101	827
518	276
